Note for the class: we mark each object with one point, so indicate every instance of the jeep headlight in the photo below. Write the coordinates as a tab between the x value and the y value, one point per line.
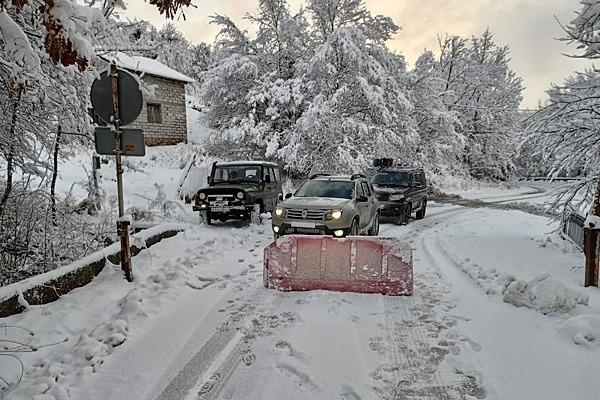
202	196
396	197
333	214
240	195
279	212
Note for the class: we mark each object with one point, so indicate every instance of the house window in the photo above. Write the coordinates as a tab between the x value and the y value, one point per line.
154	115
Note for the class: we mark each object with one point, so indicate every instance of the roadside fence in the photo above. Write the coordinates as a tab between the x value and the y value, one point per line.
573	228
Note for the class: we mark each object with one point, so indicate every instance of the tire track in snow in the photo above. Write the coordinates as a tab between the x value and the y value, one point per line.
468	380
419	329
222	352
261	323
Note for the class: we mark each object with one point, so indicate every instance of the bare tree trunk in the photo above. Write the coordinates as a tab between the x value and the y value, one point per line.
55	174
10	157
590	246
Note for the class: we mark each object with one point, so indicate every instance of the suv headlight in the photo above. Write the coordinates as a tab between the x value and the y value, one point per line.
279	212
240	195
202	196
333	214
396	197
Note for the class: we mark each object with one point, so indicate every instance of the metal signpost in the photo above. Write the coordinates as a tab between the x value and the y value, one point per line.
117	99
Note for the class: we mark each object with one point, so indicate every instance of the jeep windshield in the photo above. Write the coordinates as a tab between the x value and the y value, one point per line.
318	188
237	174
391	178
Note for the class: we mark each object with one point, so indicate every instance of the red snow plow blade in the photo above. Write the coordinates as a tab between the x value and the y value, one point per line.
354	264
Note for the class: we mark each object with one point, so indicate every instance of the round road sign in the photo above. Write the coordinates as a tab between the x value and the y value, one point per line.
130	97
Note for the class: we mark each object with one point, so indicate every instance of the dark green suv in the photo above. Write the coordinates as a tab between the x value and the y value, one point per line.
239	190
401	190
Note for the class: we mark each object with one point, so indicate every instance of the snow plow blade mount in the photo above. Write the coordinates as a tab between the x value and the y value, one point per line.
359	264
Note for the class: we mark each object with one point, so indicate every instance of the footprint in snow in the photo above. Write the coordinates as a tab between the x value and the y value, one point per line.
290	351
348	393
298	378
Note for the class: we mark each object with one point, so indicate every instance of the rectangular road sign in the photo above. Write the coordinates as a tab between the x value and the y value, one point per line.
132	142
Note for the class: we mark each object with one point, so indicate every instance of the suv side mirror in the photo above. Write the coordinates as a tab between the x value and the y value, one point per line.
208	180
362	199
288	195
267	179
416	184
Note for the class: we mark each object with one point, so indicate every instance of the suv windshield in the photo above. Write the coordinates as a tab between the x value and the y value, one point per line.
391	178
335	189
237	173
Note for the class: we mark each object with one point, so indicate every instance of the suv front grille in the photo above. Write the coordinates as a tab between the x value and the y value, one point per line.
383	196
315	215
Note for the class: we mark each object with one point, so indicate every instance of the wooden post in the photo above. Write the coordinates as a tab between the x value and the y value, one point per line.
122	226
590	247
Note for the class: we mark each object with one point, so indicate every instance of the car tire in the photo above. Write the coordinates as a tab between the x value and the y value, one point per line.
374	230
205	217
255	217
407	214
353	231
421	213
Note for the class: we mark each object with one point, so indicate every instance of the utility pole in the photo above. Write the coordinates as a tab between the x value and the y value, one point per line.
122	223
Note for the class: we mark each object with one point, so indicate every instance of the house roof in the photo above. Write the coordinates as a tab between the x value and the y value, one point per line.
147	66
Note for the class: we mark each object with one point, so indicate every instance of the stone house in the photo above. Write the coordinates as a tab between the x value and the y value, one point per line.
163	118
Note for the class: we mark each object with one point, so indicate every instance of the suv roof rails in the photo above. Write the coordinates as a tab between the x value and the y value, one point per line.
354	176
313	176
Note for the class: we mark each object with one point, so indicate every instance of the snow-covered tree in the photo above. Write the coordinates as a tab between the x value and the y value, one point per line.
46	53
584	30
479	85
252	92
565	131
440	147
167	45
358	109
328	15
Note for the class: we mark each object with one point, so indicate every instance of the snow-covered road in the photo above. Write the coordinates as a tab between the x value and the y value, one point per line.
198	324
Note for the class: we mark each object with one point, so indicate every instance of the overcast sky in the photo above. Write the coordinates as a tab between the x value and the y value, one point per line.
528	27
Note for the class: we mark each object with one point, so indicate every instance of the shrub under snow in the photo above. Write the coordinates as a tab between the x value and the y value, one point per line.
545	294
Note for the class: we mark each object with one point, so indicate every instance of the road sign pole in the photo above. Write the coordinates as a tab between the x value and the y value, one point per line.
122	225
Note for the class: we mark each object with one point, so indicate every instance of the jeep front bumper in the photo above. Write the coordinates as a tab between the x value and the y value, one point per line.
224	209
391	209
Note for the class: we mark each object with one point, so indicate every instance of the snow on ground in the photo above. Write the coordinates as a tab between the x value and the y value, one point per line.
499	312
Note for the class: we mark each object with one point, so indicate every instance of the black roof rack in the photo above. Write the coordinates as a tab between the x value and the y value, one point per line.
383	162
313	176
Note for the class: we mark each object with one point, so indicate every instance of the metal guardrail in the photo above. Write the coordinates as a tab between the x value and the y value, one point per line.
573	228
548	178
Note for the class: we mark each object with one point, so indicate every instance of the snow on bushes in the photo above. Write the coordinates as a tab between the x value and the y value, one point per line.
584	330
544	294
